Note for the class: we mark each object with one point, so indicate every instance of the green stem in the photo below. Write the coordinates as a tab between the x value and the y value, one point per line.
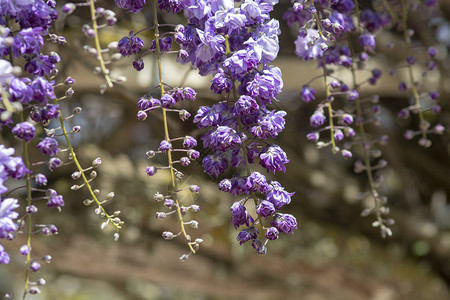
166	127
80	169
329	107
327	89
97	45
410	71
28	217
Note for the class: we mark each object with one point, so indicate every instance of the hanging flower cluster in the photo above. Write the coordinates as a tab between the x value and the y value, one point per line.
178	150
28	100
237	45
326	31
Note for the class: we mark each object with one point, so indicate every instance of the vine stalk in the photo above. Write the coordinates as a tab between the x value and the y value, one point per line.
97	44
166	127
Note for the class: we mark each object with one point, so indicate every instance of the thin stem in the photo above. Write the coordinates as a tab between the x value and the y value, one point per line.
166	127
97	44
362	132
327	89
330	108
28	217
410	71
83	176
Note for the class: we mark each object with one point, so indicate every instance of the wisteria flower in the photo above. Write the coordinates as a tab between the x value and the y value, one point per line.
273	158
24	131
285	223
130	44
48	146
7	215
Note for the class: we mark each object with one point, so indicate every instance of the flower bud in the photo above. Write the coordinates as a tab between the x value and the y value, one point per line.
184	115
96	162
194	188
158	197
68	8
160	215
167	235
151	170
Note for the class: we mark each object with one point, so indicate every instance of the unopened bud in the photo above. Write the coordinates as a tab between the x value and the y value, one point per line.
75	187
179	176
69	92
160	215
158	197
68	8
195	208
184	115
194	224
167	235
184	257
150	154
46	258
96	162
76	175
34	290
194	188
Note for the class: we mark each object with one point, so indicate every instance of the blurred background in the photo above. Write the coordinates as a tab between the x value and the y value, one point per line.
335	253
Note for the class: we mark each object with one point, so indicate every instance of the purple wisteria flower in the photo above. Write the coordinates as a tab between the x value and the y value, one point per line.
237	41
28	41
367	41
24	131
318	118
265	208
133	6
272	233
269	125
265	86
285	223
165	44
244	236
189	142
215	164
55	201
239	215
7	215
257	182
221	139
221	83
45	113
130	44
245	105
48	146
10	166
309	44
4	257
164	146
307	93
273	158
209	116
278	196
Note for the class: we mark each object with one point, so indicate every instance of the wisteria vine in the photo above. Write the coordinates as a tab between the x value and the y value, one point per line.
234	43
